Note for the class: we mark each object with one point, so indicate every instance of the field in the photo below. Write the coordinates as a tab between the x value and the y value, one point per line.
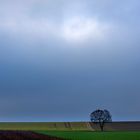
45	126
69	130
25	135
83	135
70	126
67	135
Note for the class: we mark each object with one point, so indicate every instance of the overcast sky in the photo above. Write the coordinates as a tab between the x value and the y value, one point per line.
62	59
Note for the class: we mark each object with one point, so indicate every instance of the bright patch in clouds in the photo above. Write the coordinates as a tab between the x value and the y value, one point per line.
29	20
74	30
81	29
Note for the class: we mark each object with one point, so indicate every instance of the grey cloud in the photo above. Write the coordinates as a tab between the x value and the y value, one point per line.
47	76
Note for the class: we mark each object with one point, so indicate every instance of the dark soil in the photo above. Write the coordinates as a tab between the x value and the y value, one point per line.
24	135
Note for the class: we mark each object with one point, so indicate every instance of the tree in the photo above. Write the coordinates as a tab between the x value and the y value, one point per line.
101	116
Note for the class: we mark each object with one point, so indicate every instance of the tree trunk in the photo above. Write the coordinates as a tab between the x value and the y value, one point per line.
102	126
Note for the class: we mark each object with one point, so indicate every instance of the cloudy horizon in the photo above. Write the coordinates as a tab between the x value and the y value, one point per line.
62	59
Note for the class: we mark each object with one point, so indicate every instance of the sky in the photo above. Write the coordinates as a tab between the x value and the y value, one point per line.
62	59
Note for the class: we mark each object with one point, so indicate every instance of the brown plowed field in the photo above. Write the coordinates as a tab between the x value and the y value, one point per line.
24	135
118	126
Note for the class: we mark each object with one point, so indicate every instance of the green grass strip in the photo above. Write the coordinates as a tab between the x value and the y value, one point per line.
84	135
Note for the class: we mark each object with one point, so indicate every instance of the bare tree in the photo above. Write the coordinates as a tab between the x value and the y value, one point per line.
101	116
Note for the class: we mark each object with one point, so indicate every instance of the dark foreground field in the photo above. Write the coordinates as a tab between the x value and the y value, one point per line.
24	135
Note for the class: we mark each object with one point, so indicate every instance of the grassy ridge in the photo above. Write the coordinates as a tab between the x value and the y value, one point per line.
81	135
69	126
44	126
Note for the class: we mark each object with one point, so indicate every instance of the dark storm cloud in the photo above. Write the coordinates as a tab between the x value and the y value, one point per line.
63	59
